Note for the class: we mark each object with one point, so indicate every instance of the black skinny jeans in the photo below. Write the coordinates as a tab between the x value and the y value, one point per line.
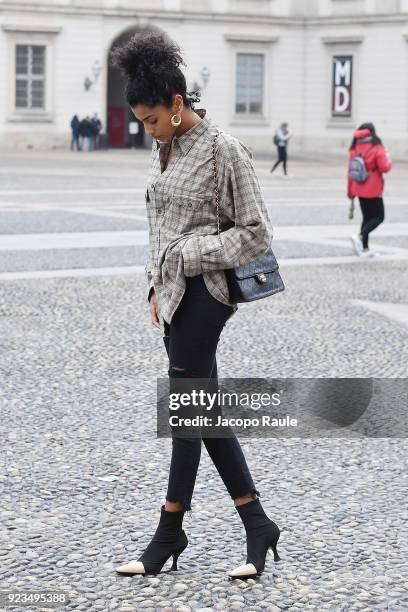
191	342
282	157
372	210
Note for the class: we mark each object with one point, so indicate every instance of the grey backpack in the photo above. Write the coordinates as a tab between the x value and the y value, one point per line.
358	170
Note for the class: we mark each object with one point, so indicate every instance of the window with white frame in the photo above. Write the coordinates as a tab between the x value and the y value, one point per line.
249	83
30	77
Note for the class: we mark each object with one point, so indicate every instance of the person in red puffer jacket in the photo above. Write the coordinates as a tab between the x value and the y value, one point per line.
367	144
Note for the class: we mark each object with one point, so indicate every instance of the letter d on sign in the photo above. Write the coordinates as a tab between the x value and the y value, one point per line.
341	99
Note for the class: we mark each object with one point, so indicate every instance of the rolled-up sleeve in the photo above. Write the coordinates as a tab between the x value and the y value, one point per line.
251	234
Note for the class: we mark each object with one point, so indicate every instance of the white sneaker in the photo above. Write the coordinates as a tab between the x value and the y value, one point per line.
367	253
357	244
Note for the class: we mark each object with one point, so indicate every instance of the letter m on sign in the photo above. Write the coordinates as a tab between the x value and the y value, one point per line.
342	85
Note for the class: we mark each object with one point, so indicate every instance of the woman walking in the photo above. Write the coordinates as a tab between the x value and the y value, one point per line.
187	284
368	161
281	140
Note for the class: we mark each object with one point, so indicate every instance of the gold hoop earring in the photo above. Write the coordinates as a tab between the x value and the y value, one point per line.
175	120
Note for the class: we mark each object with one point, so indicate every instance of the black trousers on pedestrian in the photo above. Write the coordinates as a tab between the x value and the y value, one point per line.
75	142
191	341
372	210
282	157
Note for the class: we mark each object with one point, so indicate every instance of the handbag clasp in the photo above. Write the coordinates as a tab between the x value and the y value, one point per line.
261	277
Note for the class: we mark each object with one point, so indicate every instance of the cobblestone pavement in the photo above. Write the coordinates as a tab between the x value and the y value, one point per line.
82	473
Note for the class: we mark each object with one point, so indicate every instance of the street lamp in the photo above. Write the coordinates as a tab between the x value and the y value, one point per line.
205	75
96	70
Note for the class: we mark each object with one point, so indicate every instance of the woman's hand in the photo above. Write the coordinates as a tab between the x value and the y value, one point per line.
154	310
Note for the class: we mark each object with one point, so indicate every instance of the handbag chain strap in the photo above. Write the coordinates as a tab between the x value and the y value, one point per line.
215	175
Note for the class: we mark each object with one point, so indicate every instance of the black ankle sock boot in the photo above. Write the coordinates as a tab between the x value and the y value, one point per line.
169	539
262	533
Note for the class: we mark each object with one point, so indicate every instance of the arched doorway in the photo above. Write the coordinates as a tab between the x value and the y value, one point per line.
123	128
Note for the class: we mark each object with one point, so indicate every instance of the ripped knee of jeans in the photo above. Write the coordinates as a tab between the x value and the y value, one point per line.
176	371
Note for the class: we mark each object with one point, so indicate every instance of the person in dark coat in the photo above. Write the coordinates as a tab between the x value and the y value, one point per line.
75	123
96	128
86	131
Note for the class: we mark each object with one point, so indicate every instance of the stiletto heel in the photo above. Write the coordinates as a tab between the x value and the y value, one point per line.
174	566
168	540
262	534
276	557
176	555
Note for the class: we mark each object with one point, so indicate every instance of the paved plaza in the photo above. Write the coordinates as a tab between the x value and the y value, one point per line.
82	473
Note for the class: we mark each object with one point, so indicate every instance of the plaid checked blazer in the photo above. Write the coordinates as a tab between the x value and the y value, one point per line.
182	215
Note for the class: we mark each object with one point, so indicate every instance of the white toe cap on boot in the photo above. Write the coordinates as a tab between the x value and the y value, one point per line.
133	567
243	570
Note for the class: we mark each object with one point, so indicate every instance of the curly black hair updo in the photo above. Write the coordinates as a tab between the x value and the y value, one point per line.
150	62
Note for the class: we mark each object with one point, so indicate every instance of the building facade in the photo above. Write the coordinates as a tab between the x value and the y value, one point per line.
324	66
